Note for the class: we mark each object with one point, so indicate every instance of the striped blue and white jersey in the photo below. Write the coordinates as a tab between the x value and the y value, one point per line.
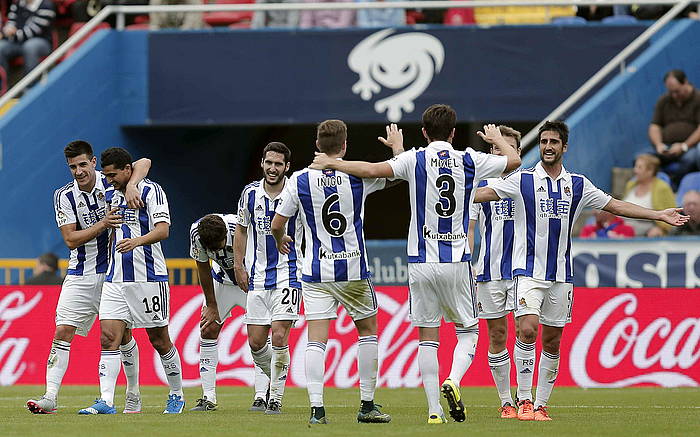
497	230
144	263
545	211
331	206
441	182
269	269
222	270
84	209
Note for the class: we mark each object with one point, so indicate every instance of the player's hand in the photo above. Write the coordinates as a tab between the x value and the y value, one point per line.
394	138
132	196
241	277
321	161
210	314
127	245
283	245
9	30
491	134
113	219
673	216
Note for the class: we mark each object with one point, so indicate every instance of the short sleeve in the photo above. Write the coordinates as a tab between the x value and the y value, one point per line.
487	165
508	187
372	185
243	213
475	208
197	252
289	199
593	197
63	209
157	205
658	117
403	164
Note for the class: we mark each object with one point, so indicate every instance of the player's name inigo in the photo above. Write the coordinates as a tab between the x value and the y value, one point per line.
429	234
324	254
444	163
329	181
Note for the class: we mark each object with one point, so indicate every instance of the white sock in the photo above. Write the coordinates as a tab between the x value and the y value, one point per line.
500	370
262	383
464	352
428	366
173	371
315	365
263	358
367	366
525	367
208	360
130	362
547	375
56	367
280	366
110	364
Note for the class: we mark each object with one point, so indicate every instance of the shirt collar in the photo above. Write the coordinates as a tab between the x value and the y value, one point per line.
262	192
440	145
542	174
98	188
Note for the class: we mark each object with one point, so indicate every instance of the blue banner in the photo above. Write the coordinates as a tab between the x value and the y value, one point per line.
360	75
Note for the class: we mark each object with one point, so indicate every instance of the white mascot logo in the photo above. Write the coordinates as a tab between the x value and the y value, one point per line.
406	61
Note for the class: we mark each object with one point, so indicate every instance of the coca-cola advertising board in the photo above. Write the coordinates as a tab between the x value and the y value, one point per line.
618	338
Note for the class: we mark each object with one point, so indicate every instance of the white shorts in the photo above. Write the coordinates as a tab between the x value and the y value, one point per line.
267	306
496	298
228	297
550	301
441	290
139	304
321	299
79	302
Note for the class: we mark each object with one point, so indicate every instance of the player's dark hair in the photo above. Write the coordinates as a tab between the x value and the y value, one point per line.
77	148
278	148
508	131
330	135
557	126
439	121
679	75
212	231
115	156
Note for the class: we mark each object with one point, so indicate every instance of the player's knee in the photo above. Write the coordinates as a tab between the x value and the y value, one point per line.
64	333
528	334
497	337
108	340
162	345
279	338
257	343
551	345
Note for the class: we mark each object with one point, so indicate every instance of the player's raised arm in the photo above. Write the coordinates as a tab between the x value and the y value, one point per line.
485	194
492	135
139	170
672	216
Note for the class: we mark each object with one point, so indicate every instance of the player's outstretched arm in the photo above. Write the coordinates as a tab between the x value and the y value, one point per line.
210	312
160	232
361	169
240	241
672	216
279	222
492	135
486	194
139	170
75	238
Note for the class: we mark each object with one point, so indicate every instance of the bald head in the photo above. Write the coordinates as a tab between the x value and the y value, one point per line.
691	205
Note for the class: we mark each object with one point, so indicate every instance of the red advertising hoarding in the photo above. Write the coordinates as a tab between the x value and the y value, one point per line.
618	337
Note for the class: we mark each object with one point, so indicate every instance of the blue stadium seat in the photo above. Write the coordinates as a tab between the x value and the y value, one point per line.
619	19
569	20
691	181
664	177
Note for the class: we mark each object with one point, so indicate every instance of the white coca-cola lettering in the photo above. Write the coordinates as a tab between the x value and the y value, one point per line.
12	307
628	333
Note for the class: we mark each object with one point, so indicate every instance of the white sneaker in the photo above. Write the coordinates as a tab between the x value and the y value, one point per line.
132	404
43	405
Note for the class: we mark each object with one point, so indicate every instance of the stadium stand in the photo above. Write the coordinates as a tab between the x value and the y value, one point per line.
691	181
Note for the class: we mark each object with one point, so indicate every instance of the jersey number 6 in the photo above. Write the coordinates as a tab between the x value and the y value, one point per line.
334	222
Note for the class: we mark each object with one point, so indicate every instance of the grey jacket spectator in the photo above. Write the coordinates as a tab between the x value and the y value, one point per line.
175	20
280	19
381	17
330	19
45	272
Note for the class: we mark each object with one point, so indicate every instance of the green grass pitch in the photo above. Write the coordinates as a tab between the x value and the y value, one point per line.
576	412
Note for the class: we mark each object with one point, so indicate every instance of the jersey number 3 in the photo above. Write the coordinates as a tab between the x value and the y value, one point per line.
447	203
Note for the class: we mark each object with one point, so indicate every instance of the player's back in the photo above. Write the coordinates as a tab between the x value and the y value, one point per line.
331	207
497	230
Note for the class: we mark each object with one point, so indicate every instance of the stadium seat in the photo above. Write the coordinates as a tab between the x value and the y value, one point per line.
499	15
239	18
459	16
569	20
619	19
664	177
691	181
138	26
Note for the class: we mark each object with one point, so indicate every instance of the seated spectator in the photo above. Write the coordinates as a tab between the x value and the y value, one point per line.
275	19
381	17
691	207
647	190
27	33
607	225
675	128
330	19
593	12
175	20
46	271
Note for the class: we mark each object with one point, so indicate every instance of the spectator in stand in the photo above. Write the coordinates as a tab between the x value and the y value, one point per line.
691	208
675	129
607	225
329	19
175	20
278	19
46	271
381	17
27	33
645	189
593	12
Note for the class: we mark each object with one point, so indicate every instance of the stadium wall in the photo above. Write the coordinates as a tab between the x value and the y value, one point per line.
610	129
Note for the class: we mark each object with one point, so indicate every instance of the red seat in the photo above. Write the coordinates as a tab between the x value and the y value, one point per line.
138	26
229	18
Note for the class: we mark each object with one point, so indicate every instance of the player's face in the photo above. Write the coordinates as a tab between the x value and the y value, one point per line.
510	140
551	148
274	167
218	247
83	170
118	178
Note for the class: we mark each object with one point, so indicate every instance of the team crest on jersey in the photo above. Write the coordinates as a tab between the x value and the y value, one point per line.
101	195
443	154
329	172
522	302
567	191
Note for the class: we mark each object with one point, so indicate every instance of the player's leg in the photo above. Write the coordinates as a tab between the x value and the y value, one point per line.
56	367
170	360
284	307
258	320
129	352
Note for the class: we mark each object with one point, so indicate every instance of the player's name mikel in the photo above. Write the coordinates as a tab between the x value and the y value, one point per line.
324	254
429	234
444	163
